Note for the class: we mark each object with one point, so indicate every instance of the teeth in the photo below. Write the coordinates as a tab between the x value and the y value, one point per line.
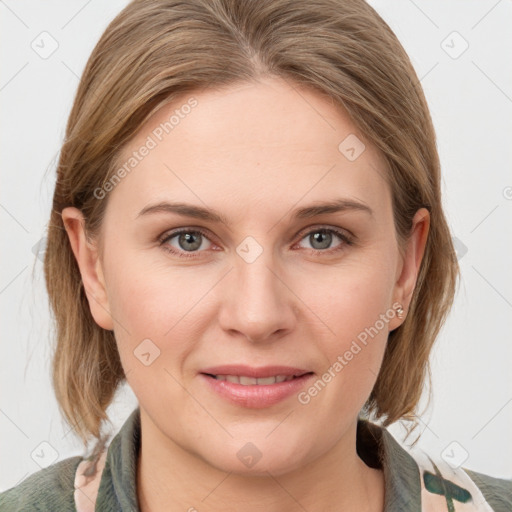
251	381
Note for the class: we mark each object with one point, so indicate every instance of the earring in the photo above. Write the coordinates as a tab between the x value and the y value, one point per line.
400	311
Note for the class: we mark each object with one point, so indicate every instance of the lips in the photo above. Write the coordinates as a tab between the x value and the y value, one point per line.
257	395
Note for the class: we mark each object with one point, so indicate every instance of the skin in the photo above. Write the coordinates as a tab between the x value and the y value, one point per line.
253	152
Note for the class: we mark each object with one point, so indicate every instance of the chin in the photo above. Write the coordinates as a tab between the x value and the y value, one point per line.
274	467
246	458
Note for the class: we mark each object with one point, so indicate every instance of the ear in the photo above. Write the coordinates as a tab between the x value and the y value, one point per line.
87	257
409	265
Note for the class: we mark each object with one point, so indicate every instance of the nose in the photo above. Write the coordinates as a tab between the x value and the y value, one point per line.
257	303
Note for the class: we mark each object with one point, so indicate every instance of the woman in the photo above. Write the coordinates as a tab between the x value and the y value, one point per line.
247	228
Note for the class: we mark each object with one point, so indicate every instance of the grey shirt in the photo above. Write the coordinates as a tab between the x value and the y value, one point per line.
52	488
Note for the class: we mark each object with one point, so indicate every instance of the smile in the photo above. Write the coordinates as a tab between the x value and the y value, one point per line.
251	381
255	392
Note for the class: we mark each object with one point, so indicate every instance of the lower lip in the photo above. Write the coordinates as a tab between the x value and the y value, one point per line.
256	396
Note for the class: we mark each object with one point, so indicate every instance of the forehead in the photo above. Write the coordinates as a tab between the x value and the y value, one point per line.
251	144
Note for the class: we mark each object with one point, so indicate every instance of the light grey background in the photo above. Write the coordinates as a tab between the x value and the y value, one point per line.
470	96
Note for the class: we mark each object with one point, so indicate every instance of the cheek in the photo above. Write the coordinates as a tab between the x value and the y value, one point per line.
152	304
352	311
349	298
152	298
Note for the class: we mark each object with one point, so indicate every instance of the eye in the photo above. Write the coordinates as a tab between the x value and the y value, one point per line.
184	243
322	238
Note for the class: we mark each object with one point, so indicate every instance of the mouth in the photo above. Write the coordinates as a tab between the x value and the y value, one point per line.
246	380
255	388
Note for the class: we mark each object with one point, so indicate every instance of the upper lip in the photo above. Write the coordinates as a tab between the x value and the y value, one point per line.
251	371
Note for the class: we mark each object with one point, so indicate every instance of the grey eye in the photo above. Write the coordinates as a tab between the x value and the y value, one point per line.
187	240
321	238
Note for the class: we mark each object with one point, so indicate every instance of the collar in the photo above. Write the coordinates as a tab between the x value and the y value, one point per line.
379	449
374	444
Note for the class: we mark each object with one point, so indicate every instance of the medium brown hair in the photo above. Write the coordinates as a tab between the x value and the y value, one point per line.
155	51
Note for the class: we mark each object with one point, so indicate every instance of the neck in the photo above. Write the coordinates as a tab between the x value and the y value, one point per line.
172	478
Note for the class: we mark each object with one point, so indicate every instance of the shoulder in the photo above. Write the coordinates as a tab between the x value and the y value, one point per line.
49	489
444	481
425	481
497	491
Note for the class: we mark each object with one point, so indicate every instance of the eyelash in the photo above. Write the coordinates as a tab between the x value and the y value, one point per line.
345	238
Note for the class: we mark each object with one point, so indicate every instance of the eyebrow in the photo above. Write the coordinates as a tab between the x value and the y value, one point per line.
206	214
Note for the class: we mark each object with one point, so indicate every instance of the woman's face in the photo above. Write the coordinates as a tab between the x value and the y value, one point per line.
264	286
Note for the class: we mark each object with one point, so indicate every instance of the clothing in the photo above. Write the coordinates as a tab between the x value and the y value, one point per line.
52	489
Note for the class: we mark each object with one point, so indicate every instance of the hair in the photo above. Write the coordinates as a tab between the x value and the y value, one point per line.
156	51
